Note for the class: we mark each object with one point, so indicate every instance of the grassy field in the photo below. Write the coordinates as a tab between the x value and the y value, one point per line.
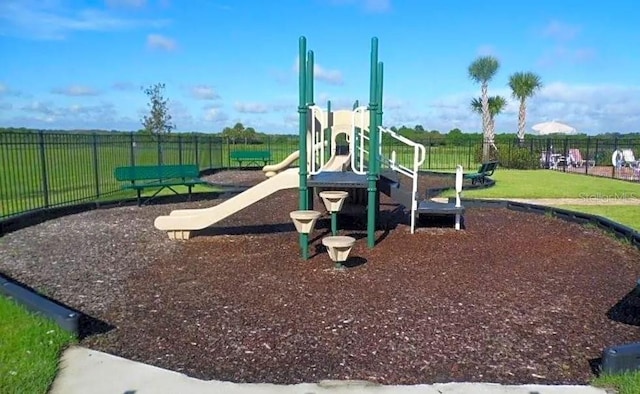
554	184
48	170
30	348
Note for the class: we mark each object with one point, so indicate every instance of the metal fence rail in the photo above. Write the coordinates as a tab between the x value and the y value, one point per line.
40	170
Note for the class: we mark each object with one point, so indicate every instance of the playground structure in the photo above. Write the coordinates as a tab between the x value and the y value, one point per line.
356	177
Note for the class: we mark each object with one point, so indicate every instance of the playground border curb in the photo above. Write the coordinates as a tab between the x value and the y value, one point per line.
617	229
66	318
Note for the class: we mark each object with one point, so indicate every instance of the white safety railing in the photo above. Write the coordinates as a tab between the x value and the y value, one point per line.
316	152
359	143
419	155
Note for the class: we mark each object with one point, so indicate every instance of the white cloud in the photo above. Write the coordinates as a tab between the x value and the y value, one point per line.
560	31
214	115
53	20
75	90
72	116
331	77
123	86
562	54
591	109
126	3
158	41
251	108
6	90
204	92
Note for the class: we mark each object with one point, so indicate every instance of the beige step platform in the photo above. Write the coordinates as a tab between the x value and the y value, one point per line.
304	221
339	247
333	200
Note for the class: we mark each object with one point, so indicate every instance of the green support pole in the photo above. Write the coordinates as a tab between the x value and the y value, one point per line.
334	223
302	146
372	176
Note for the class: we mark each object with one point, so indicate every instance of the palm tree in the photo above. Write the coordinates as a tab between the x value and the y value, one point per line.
523	86
481	71
496	105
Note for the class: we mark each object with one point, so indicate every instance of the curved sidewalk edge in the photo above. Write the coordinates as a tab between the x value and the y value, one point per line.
87	371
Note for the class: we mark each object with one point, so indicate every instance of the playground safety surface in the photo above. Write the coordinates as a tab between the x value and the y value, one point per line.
514	298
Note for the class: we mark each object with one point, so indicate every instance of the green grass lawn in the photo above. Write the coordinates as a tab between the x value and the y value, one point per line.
30	348
553	184
623	214
626	383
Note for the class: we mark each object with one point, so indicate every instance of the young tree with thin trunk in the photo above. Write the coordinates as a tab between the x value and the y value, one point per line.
158	121
523	86
481	71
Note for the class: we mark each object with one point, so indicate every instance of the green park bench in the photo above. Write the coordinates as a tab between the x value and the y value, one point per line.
485	170
251	156
160	177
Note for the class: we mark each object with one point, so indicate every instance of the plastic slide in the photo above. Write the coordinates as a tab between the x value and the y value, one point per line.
337	163
197	219
272	169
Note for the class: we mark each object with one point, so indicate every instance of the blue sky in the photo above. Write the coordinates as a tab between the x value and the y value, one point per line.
76	64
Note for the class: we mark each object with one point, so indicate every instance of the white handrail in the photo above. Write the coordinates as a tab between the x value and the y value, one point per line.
317	138
358	167
419	155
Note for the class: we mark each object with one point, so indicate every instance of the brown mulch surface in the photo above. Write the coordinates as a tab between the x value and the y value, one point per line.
513	298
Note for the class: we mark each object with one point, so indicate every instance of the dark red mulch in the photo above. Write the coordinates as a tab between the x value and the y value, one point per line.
514	298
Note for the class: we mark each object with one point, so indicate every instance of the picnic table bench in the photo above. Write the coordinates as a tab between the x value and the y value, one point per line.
485	170
160	177
251	156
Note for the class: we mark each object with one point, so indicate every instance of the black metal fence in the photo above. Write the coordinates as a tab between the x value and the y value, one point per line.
40	170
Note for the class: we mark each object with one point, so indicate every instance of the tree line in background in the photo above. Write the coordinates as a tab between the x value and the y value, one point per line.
523	85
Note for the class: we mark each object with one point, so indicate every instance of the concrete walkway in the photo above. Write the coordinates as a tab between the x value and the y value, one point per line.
87	371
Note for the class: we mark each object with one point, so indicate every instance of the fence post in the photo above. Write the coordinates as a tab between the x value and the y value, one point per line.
228	155
159	149
615	148
195	145
210	152
179	149
43	160
587	157
564	154
96	171
469	153
132	144
429	152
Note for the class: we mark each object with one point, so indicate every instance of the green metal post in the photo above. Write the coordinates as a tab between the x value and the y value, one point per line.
334	223
302	145
372	176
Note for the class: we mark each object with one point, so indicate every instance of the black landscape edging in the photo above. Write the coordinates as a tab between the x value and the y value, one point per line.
617	229
66	318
